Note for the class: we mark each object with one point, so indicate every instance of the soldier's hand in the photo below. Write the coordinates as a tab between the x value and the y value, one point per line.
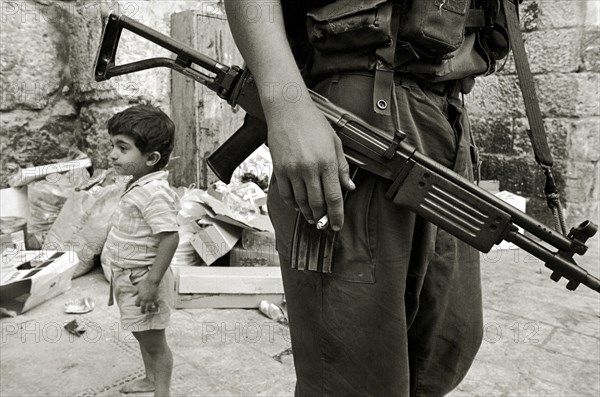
309	164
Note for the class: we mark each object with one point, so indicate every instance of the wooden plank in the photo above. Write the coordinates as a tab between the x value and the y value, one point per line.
183	110
203	120
229	280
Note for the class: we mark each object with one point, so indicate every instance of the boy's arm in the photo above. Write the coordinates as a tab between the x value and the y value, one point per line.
148	288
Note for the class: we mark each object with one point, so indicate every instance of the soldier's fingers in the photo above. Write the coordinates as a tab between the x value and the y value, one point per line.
343	168
316	199
301	199
332	193
285	190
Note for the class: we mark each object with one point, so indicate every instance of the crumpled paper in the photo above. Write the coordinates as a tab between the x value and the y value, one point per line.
79	306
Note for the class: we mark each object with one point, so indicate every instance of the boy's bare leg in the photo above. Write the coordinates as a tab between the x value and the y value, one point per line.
161	359
147	383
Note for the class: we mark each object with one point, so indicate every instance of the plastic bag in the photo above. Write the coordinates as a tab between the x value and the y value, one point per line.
46	198
84	222
185	254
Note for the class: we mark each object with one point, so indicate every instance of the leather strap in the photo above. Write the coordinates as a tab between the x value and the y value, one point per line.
384	70
537	133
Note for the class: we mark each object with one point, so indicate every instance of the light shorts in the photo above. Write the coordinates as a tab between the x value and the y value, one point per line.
132	318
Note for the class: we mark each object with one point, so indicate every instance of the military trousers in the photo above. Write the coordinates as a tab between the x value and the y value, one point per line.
400	314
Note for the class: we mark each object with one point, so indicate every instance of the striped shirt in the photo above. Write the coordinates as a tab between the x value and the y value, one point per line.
147	207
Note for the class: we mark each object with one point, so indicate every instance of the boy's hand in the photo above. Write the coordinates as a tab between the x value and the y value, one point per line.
147	294
147	289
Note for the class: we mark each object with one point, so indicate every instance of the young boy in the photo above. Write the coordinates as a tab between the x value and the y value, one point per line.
143	238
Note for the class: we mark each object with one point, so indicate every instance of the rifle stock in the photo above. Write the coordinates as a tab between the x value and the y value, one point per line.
418	183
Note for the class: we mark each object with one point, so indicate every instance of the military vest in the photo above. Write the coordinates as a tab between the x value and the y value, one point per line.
437	40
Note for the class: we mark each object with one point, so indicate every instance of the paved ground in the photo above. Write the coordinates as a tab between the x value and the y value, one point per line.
540	340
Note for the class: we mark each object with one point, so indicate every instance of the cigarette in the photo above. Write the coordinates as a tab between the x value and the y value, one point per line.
323	222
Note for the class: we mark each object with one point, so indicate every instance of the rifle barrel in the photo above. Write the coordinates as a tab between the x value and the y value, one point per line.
564	266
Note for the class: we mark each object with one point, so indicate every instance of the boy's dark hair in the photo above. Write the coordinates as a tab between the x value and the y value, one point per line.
151	129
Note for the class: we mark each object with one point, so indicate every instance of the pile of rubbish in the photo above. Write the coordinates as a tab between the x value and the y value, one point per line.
55	219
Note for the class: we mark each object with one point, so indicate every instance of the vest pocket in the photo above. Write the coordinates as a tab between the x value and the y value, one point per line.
349	25
434	28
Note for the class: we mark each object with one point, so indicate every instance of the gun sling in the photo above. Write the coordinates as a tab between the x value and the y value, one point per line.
537	132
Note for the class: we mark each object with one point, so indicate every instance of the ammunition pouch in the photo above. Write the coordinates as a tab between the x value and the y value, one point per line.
433	28
345	33
349	35
349	25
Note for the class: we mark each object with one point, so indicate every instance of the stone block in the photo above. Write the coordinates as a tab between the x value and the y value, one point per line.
569	95
584	139
33	61
556	50
86	29
496	96
550	51
592	15
581	182
557	132
493	134
152	85
560	13
37	137
529	12
591	50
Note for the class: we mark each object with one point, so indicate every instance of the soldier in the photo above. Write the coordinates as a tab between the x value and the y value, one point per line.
400	313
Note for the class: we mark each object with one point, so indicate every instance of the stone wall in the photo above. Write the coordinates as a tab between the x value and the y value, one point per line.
49	101
563	46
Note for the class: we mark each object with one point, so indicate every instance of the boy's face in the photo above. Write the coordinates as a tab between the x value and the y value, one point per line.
127	159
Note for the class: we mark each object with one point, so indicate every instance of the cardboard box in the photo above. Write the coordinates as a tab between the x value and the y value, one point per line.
30	278
255	248
257	255
221	287
224	301
254	238
218	210
229	280
214	239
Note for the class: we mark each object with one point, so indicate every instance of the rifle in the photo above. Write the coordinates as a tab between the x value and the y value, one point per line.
419	184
